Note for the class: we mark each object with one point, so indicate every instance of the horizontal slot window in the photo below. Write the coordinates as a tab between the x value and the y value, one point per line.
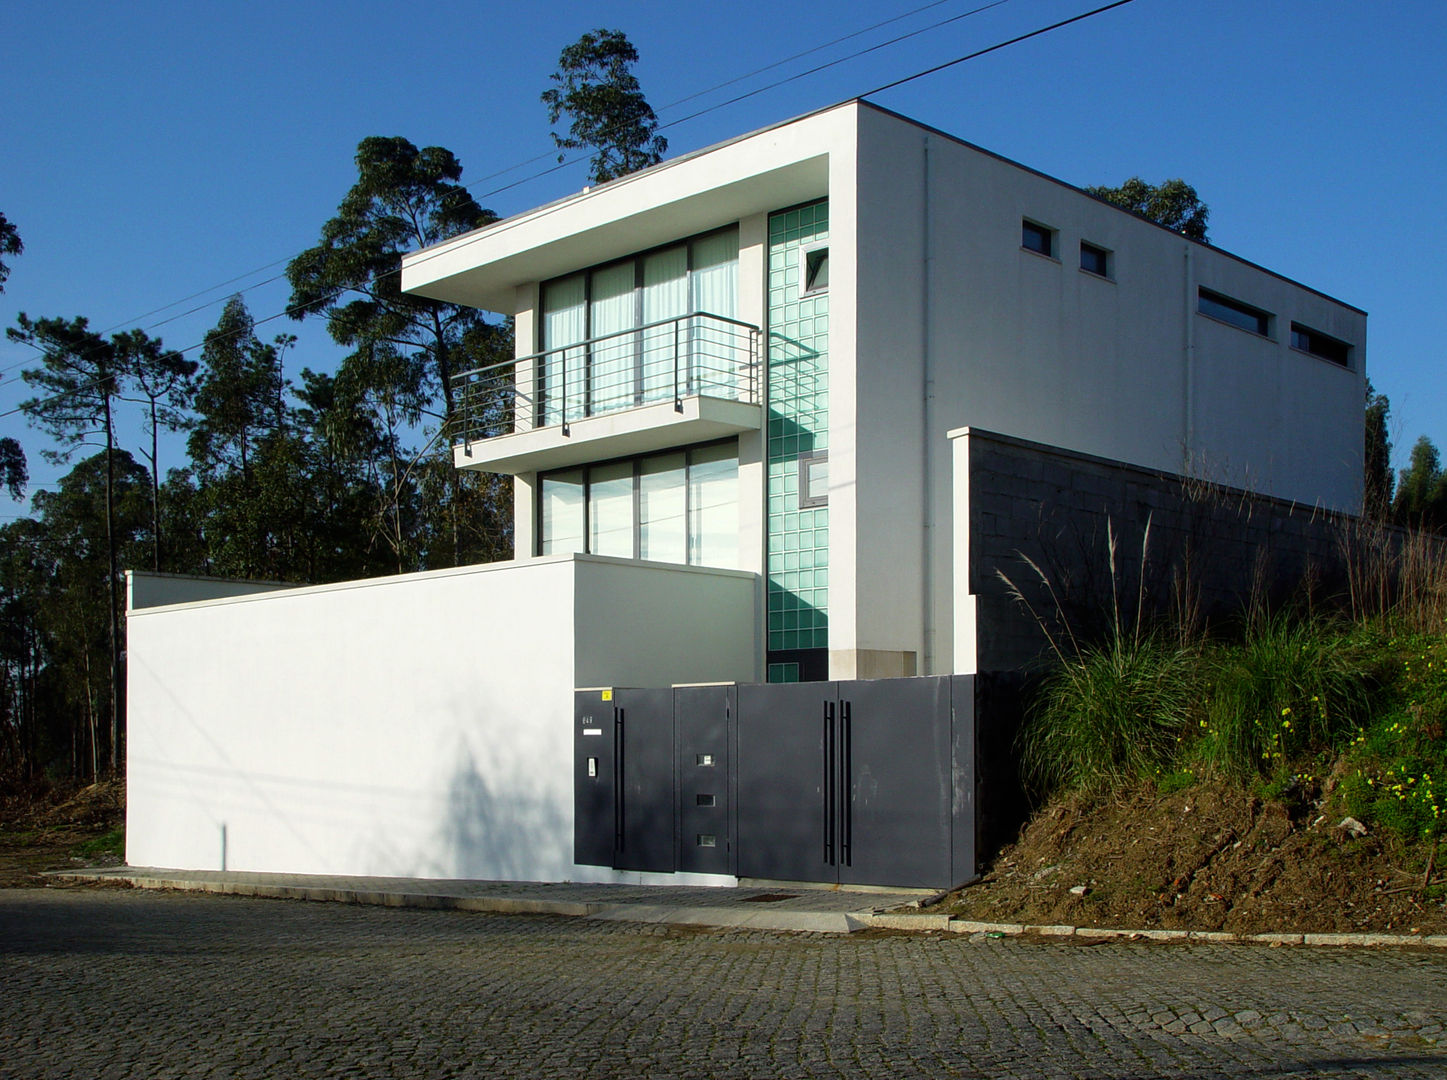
1234	312
1320	345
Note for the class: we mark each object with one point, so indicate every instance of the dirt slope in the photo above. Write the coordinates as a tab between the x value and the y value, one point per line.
1209	858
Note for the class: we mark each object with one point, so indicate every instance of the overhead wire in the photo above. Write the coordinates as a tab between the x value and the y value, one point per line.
571	161
493	230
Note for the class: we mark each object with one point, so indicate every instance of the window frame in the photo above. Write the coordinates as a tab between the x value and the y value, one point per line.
808	498
1050	235
1321	345
1107	260
1264	320
636	258
805	251
636	462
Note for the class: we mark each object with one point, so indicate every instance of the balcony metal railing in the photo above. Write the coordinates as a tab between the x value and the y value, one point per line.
698	354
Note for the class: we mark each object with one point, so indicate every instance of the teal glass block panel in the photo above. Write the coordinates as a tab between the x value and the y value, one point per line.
798	419
783	673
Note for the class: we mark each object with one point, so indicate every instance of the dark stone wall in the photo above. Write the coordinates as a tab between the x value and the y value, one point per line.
1185	550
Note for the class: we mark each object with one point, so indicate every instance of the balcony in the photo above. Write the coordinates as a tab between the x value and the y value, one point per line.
669	383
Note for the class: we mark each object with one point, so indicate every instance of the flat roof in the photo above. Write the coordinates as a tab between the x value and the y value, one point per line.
752	173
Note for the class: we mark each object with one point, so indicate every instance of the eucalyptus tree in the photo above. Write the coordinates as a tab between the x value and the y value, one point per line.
242	497
163	380
14	470
80	382
10	244
404	349
606	110
1172	203
79	549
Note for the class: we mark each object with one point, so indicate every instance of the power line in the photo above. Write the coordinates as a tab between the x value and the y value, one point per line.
572	161
993	48
631	177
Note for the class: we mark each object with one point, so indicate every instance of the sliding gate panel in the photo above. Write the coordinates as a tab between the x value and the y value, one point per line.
646	798
848	782
702	717
895	782
785	782
595	817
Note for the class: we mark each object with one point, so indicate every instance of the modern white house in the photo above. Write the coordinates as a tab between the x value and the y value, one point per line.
756	424
753	356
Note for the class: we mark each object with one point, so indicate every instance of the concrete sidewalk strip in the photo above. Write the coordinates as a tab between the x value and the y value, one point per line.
758	906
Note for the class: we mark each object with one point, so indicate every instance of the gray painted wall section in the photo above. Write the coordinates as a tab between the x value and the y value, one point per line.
1215	547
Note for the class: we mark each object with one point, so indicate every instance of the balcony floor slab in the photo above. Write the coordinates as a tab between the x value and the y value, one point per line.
625	433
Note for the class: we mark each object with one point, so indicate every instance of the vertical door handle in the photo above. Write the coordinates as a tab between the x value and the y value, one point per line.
829	783
618	779
846	718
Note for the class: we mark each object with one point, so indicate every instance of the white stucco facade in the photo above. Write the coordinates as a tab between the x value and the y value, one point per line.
415	726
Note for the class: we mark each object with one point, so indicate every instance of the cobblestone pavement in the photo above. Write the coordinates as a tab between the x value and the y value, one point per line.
112	983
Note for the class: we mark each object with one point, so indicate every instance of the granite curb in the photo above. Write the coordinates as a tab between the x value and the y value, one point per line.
828	922
936	923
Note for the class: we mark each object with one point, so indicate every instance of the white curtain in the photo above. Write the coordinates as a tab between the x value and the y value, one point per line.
562	513
713	506
560	372
611	310
665	296
661	501
610	509
714	288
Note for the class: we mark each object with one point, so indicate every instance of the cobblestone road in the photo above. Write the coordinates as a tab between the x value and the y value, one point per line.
110	983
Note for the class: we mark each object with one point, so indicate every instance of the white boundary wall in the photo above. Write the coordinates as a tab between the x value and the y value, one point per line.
415	726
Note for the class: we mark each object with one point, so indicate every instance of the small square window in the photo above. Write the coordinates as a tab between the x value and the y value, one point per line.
1094	260
814	479
1037	238
814	270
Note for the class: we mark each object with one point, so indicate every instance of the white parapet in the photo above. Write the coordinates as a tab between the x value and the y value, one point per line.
415	726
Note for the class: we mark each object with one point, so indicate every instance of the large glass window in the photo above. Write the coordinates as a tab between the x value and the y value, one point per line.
713	506
560	377
619	369
562	512
681	506
610	509
662	506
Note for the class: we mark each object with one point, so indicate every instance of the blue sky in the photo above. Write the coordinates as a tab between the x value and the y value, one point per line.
155	150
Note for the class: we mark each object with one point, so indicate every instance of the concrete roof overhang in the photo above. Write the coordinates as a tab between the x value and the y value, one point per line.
773	168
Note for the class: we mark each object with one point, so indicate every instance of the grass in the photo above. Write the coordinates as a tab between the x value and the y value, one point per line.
1304	707
109	843
1288	690
1111	714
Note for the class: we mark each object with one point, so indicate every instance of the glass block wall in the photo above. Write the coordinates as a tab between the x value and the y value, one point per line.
798	380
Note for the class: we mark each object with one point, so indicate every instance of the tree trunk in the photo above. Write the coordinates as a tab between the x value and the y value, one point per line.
113	598
155	493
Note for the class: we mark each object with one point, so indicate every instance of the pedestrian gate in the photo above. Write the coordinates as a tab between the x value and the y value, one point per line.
866	782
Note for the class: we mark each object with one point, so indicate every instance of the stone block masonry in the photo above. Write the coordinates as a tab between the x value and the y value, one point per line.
1105	534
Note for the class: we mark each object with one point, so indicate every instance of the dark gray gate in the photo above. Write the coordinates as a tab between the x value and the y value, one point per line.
646	787
849	782
703	716
623	779
785	776
866	782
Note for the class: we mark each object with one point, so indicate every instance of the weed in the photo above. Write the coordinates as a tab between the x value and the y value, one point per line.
1289	689
110	843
